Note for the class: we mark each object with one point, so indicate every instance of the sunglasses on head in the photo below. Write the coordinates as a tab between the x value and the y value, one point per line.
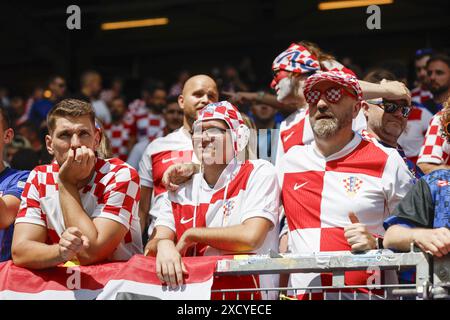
332	95
392	107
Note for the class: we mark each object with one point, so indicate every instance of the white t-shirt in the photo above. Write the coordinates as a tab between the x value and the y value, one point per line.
252	192
101	111
319	192
412	137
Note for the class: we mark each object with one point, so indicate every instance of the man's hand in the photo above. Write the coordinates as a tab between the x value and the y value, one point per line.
169	265
71	243
185	241
78	166
434	241
395	90
357	235
177	174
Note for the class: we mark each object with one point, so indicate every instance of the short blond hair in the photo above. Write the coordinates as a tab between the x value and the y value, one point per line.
69	108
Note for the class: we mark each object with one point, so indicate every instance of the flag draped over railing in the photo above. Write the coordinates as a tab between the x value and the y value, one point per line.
134	279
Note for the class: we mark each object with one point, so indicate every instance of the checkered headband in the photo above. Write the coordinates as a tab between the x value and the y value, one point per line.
296	59
333	65
339	77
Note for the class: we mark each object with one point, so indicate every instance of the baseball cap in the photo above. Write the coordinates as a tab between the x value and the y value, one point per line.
344	79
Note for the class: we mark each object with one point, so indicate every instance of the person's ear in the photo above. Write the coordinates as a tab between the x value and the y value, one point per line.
8	136
97	138
181	101
48	144
365	107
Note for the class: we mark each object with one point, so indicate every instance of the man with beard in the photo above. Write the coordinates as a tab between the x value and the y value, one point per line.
435	152
121	134
176	147
148	118
337	191
438	69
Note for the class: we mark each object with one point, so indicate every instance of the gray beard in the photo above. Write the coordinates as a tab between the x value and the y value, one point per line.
325	128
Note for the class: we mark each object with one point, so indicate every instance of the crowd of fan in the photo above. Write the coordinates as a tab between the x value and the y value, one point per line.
335	140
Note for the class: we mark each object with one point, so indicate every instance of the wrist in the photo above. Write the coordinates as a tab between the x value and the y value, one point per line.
259	96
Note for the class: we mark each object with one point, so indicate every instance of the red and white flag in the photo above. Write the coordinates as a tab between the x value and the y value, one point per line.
134	279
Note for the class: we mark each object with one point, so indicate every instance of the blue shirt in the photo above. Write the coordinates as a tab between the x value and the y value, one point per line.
12	183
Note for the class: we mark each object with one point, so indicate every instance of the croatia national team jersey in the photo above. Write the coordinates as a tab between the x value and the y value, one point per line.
119	136
148	125
112	193
252	191
160	154
318	193
412	137
296	130
420	95
435	148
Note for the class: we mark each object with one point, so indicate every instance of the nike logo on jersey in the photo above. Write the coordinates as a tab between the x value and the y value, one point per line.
182	221
169	160
288	136
296	187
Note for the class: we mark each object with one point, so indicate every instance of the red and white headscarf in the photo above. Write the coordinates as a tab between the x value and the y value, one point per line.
296	59
339	77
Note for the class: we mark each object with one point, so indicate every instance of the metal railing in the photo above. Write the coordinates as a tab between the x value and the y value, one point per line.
432	275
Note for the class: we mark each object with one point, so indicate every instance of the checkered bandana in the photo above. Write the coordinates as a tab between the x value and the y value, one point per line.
297	59
222	110
339	77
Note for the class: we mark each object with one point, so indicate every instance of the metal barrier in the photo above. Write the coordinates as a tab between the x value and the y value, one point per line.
432	274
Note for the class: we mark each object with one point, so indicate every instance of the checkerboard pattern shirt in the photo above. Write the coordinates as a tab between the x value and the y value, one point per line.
119	136
420	95
318	193
147	124
112	193
435	148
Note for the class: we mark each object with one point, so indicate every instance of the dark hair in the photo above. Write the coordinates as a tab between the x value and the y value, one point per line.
6	121
439	57
25	159
69	108
420	53
172	99
29	125
378	74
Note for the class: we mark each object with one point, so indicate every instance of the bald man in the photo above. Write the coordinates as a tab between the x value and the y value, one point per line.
176	147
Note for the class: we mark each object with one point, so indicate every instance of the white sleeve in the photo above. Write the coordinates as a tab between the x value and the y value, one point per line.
262	195
145	168
397	180
162	211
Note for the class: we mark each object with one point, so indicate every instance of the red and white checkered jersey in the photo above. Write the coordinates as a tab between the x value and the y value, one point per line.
296	130
412	137
148	125
252	191
318	193
420	95
119	136
160	154
112	193
435	148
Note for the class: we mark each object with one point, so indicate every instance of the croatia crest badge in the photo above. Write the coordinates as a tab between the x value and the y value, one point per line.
352	185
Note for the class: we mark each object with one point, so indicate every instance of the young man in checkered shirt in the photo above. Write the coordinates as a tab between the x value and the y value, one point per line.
337	191
230	207
80	207
435	151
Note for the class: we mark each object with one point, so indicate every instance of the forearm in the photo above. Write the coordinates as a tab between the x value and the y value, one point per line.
73	212
371	90
399	238
429	167
272	101
235	238
6	218
36	255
